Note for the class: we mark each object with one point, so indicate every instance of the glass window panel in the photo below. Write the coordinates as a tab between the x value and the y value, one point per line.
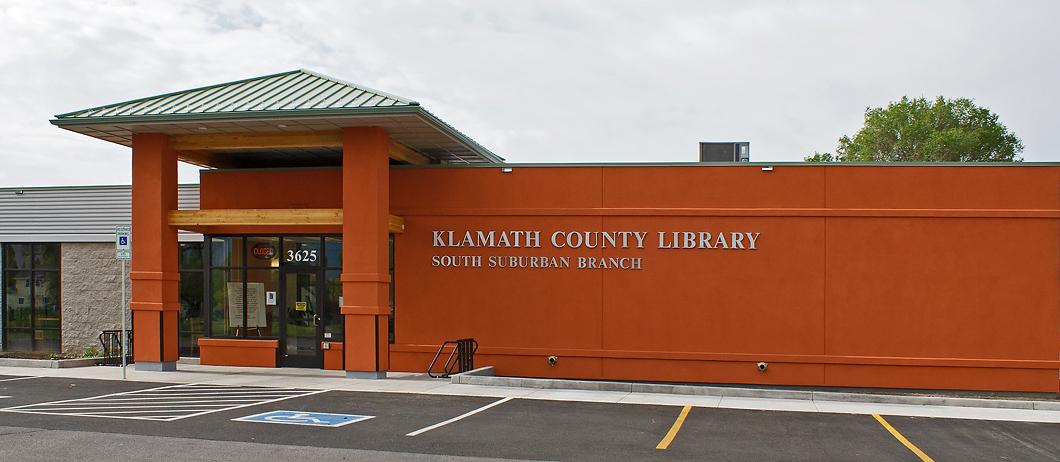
263	251
301	303
302	251
191	301
189	346
46	256
17	298
17	256
333	320
46	296
19	340
260	283
190	255
226	315
226	251
333	251
47	340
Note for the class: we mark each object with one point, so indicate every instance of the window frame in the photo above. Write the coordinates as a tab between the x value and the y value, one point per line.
322	263
193	350
31	268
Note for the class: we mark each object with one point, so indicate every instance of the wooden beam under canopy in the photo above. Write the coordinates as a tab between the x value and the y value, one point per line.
196	220
255	140
404	153
396	224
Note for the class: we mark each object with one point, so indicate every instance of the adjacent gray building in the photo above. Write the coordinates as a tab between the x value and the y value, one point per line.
61	281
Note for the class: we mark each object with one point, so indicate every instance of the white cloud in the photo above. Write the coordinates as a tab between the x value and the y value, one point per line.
537	81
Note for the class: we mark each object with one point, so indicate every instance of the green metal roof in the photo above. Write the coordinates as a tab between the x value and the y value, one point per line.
291	101
299	89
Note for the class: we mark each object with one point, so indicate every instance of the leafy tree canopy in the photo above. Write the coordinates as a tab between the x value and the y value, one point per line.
919	130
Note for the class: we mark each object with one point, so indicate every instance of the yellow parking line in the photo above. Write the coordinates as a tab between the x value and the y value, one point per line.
673	430
904	441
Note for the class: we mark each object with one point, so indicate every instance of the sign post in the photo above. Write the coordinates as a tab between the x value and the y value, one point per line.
123	252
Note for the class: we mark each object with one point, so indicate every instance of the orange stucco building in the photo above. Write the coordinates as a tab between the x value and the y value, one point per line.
349	229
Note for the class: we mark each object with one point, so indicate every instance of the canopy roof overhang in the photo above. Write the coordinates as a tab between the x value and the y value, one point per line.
292	119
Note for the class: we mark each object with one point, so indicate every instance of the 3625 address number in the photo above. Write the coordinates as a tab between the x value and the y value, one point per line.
302	255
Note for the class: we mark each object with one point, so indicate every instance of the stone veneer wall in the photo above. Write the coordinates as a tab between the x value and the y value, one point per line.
91	294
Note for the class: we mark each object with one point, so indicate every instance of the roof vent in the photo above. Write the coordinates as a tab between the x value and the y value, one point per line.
738	151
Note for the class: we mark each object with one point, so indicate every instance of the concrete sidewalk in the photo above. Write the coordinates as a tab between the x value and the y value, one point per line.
585	391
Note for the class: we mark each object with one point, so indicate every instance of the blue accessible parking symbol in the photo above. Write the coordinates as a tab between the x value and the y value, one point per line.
318	419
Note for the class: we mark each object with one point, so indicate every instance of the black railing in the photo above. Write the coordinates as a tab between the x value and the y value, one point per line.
111	340
462	357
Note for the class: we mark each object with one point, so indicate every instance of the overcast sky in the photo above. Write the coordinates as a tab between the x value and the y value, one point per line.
537	81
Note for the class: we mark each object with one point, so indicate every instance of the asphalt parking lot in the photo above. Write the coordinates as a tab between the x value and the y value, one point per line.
51	418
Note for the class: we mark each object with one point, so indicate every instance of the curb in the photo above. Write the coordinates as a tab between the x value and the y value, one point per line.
48	363
483	377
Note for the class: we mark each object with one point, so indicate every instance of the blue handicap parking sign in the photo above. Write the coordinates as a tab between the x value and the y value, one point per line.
319	419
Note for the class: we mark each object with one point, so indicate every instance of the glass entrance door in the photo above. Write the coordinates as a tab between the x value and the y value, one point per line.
301	309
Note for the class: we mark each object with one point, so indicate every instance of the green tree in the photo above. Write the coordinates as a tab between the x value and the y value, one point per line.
920	130
819	157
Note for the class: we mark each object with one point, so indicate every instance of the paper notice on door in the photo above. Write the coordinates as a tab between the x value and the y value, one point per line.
299	306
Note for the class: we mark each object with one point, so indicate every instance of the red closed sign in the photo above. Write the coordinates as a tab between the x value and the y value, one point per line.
263	251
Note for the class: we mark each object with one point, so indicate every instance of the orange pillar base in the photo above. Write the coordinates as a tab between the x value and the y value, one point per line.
150	329
366	337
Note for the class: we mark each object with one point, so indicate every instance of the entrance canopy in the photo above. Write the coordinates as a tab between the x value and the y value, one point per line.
292	119
257	130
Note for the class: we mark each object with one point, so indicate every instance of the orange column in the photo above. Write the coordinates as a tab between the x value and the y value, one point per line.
366	250
155	281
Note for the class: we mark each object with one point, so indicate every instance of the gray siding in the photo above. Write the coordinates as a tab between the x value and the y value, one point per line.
75	214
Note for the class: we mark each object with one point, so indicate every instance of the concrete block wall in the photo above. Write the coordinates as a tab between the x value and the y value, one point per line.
91	294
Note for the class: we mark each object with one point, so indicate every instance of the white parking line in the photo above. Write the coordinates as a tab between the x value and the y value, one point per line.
167	403
454	419
22	378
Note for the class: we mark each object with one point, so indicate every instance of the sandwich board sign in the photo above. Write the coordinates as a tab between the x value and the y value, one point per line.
122	242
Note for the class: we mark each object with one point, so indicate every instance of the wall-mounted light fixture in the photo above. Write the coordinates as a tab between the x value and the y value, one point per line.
767	168
506	170
20	192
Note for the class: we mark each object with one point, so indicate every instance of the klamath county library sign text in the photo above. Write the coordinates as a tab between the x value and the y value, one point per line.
577	240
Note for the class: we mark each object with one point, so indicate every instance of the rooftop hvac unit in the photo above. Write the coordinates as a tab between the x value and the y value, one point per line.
738	151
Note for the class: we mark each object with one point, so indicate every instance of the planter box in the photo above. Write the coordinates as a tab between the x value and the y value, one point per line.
237	352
